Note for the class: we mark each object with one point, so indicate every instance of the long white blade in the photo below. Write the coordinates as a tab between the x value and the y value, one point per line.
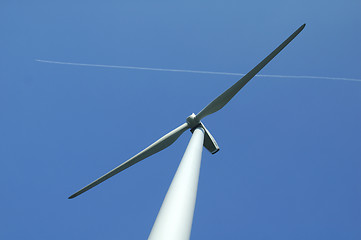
157	146
225	97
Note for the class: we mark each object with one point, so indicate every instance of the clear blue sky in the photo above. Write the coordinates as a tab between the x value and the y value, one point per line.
289	165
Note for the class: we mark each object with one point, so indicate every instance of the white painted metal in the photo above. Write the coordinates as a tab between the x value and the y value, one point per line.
175	217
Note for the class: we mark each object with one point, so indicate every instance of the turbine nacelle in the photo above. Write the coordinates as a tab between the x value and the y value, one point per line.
209	142
192	121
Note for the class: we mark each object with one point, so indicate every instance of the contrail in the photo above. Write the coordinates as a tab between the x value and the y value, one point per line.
194	71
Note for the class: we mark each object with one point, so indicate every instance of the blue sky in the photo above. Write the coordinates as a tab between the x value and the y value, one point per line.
289	165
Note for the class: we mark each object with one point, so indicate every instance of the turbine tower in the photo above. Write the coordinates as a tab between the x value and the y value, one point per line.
174	220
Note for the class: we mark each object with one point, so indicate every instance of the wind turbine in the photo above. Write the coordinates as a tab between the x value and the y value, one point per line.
174	220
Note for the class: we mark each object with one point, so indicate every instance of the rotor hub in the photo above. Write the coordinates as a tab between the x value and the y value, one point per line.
192	121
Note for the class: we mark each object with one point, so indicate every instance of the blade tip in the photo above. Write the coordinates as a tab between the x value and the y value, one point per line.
72	196
215	151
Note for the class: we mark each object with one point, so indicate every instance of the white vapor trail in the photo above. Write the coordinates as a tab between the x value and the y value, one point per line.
194	71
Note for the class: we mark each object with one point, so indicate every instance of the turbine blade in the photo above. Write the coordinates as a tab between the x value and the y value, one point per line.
226	96
157	146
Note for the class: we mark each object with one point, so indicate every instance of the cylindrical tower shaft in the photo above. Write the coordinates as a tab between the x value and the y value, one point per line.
175	217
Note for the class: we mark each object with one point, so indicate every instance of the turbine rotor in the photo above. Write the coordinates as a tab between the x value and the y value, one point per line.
194	120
